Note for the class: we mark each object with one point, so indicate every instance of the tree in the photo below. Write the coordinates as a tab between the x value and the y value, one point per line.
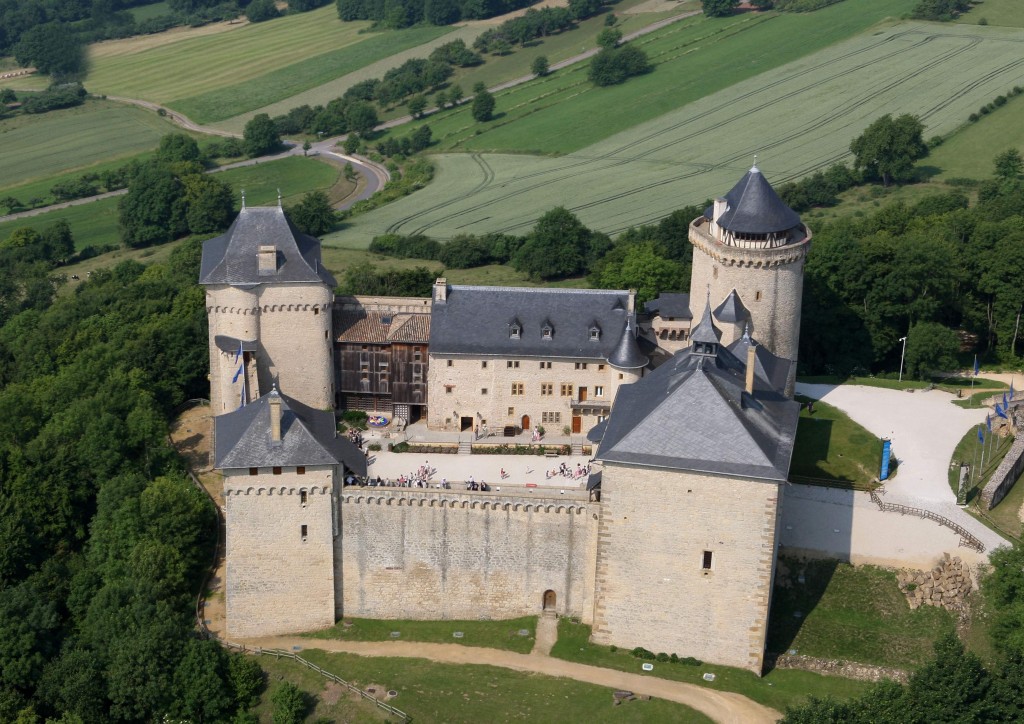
7	95
614	65
361	117
641	267
177	147
421	138
209	203
261	10
540	66
153	210
455	95
931	347
719	8
1008	165
260	136
314	214
290	704
558	246
417	104
609	37
483	107
888	148
306	145
52	48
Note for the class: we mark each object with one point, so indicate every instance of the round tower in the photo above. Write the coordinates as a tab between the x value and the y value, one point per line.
749	244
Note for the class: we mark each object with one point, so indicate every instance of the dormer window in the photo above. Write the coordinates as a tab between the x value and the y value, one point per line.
546	331
595	333
515	330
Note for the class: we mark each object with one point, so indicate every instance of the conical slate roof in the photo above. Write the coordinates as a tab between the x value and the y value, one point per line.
706	332
627	354
755	208
732	311
232	257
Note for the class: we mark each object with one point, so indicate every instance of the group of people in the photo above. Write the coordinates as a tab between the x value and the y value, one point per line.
355	437
566	471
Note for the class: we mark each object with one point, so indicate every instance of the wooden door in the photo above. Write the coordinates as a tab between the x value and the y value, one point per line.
583	394
526	422
577	423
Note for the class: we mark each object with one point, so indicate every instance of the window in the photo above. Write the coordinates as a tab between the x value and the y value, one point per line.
511	412
514	331
302	498
300	470
566	390
512	364
595	334
451	363
545	365
547	388
416	354
304	532
448	389
581	365
316	310
483	390
254	471
600	368
546	332
277	471
483	365
551	417
757	296
517	388
598	391
706	561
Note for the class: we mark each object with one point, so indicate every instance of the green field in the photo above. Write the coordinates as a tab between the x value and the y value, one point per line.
216	75
43	146
995	12
489	634
95	224
812	107
998	131
832	447
145	12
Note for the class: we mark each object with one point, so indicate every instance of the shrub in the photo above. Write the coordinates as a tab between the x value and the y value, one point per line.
663	658
373	447
642	653
355	418
690	661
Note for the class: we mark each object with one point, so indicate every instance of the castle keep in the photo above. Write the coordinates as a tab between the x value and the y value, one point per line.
671	544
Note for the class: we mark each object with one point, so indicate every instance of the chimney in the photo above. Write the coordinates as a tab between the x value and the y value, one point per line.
631	304
275	417
751	361
721	206
267	256
441	290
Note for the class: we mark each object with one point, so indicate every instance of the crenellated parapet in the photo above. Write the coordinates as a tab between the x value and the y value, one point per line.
279	490
755	257
267	308
470	501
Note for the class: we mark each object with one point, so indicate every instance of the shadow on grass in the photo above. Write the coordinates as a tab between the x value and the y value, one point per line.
799	586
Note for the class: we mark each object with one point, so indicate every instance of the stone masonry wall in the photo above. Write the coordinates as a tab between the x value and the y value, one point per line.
278	582
652	589
456	390
1008	472
463	555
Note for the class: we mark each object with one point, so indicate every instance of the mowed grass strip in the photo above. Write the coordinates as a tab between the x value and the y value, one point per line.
489	634
95	223
832	447
797	118
853	613
778	688
232	100
433	692
197	64
959	156
995	12
41	146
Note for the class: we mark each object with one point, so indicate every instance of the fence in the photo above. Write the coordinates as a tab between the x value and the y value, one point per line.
278	653
966	537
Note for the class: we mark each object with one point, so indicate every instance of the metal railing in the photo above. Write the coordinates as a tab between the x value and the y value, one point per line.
278	653
966	537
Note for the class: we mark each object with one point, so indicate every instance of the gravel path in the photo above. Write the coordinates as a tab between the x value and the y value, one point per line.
721	706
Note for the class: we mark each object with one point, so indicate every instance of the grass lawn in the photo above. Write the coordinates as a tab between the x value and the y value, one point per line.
489	634
995	12
328	701
95	134
778	688
145	12
433	692
851	613
969	152
968	450
1005	517
831	447
95	224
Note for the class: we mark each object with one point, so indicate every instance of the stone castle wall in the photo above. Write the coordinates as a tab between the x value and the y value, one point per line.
652	589
450	554
276	581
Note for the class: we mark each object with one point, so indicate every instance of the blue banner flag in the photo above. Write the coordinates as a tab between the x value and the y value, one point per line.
976	368
981	434
988	422
886	454
238	373
239	352
1000	411
1006	405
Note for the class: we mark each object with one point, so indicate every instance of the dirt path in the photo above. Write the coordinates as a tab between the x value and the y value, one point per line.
720	706
547	635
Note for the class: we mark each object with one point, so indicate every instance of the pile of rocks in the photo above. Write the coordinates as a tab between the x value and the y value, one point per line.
946	585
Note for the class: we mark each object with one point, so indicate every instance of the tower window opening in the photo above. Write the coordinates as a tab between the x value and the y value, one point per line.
302	498
300	470
304	531
254	471
316	310
277	471
757	296
706	561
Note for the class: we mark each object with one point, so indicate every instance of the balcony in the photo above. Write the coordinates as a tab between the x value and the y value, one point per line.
599	406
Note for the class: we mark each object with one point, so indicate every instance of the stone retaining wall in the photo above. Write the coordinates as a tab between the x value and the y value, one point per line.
1008	472
838	667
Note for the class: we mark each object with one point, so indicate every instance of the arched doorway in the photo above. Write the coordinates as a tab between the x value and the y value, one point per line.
549	600
526	422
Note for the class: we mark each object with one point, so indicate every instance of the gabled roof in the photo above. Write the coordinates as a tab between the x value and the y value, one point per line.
366	325
308	437
732	311
232	257
706	332
627	354
477	320
693	414
672	305
773	370
755	208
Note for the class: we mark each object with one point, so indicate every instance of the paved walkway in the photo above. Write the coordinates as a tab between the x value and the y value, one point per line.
720	706
925	428
547	635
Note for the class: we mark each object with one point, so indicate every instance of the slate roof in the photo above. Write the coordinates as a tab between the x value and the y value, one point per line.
627	354
476	320
773	370
732	310
706	331
381	327
755	208
308	437
672	305
232	257
693	414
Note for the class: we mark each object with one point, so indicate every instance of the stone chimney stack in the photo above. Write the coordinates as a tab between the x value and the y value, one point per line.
751	362
275	417
441	290
631	304
267	256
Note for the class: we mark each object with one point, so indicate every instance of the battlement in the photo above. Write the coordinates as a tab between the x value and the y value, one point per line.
573	502
264	309
753	257
278	490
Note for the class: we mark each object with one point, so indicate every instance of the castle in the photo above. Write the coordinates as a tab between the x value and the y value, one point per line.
672	545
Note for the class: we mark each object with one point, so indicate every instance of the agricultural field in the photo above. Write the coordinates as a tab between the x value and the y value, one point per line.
813	107
995	12
998	131
215	76
40	147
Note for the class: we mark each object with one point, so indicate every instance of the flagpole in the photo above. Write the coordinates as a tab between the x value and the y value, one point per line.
981	469
974	467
